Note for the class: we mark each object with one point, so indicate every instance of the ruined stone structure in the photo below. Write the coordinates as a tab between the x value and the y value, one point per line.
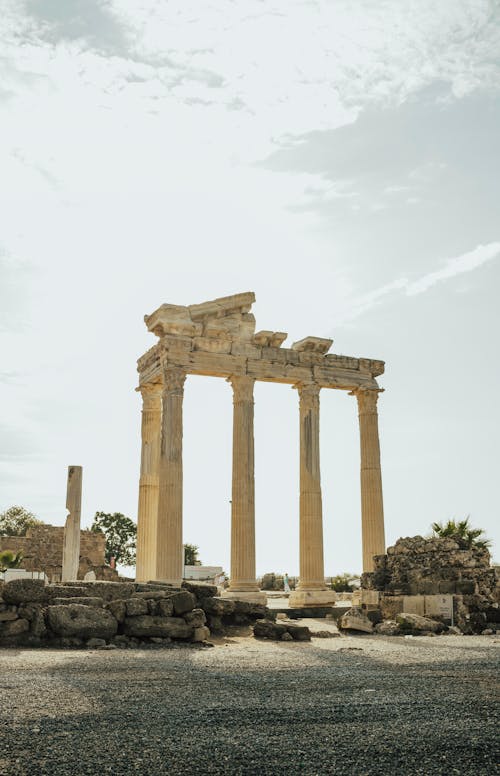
116	614
42	550
218	338
419	566
428	576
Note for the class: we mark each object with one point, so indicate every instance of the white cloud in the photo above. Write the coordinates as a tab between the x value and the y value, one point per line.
456	266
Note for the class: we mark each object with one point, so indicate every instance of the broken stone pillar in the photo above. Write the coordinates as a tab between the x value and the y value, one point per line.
147	514
311	589
243	583
71	543
372	507
170	551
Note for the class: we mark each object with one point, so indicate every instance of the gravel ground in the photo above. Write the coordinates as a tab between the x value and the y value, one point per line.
351	705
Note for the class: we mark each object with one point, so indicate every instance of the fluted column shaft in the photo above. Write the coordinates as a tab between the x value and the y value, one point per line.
312	574
147	514
243	489
372	507
170	554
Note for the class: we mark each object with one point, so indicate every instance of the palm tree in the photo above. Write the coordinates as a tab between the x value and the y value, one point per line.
10	560
462	532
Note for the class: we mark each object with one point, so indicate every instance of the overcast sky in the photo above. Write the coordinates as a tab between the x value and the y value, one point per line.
340	159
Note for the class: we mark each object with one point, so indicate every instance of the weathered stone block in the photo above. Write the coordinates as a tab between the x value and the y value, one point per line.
165	607
9	630
196	618
183	602
414	622
109	591
200	633
83	622
118	609
388	628
136	606
466	587
8	615
22	590
267	629
299	632
447	586
218	606
146	626
201	590
83	600
66	591
355	619
414	604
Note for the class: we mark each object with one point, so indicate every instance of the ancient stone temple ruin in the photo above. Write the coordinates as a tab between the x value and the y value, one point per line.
218	339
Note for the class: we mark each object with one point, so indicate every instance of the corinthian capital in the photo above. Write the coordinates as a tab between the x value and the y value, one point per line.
309	395
242	388
151	395
173	379
367	400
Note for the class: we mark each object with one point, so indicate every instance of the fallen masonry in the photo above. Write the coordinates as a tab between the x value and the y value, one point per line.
101	614
426	586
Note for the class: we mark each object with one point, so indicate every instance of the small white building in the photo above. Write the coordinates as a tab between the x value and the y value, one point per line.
202	573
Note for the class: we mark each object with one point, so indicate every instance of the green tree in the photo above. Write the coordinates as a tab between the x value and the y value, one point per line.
121	536
191	555
10	560
342	582
462	532
16	520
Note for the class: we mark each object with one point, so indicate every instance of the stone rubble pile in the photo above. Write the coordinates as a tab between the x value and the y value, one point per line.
416	570
115	614
281	631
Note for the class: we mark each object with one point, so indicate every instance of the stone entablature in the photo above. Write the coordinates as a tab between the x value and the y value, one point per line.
227	345
218	339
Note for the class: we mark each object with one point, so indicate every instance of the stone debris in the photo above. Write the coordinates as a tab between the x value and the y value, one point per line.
268	629
122	614
356	620
388	628
439	578
414	622
79	621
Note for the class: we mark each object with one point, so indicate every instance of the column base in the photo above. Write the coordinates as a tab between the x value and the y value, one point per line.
172	582
252	597
300	598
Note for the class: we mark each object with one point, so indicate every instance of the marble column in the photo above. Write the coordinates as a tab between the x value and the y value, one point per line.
243	584
372	507
71	541
170	551
147	514
311	589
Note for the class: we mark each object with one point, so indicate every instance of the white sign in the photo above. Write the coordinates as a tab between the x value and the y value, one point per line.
439	606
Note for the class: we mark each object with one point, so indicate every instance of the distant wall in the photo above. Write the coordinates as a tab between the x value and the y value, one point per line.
42	549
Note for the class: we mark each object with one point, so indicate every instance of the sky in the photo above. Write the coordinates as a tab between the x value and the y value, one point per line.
339	159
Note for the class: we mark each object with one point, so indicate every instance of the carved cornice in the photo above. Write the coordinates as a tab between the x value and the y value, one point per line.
173	379
308	396
367	400
242	388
